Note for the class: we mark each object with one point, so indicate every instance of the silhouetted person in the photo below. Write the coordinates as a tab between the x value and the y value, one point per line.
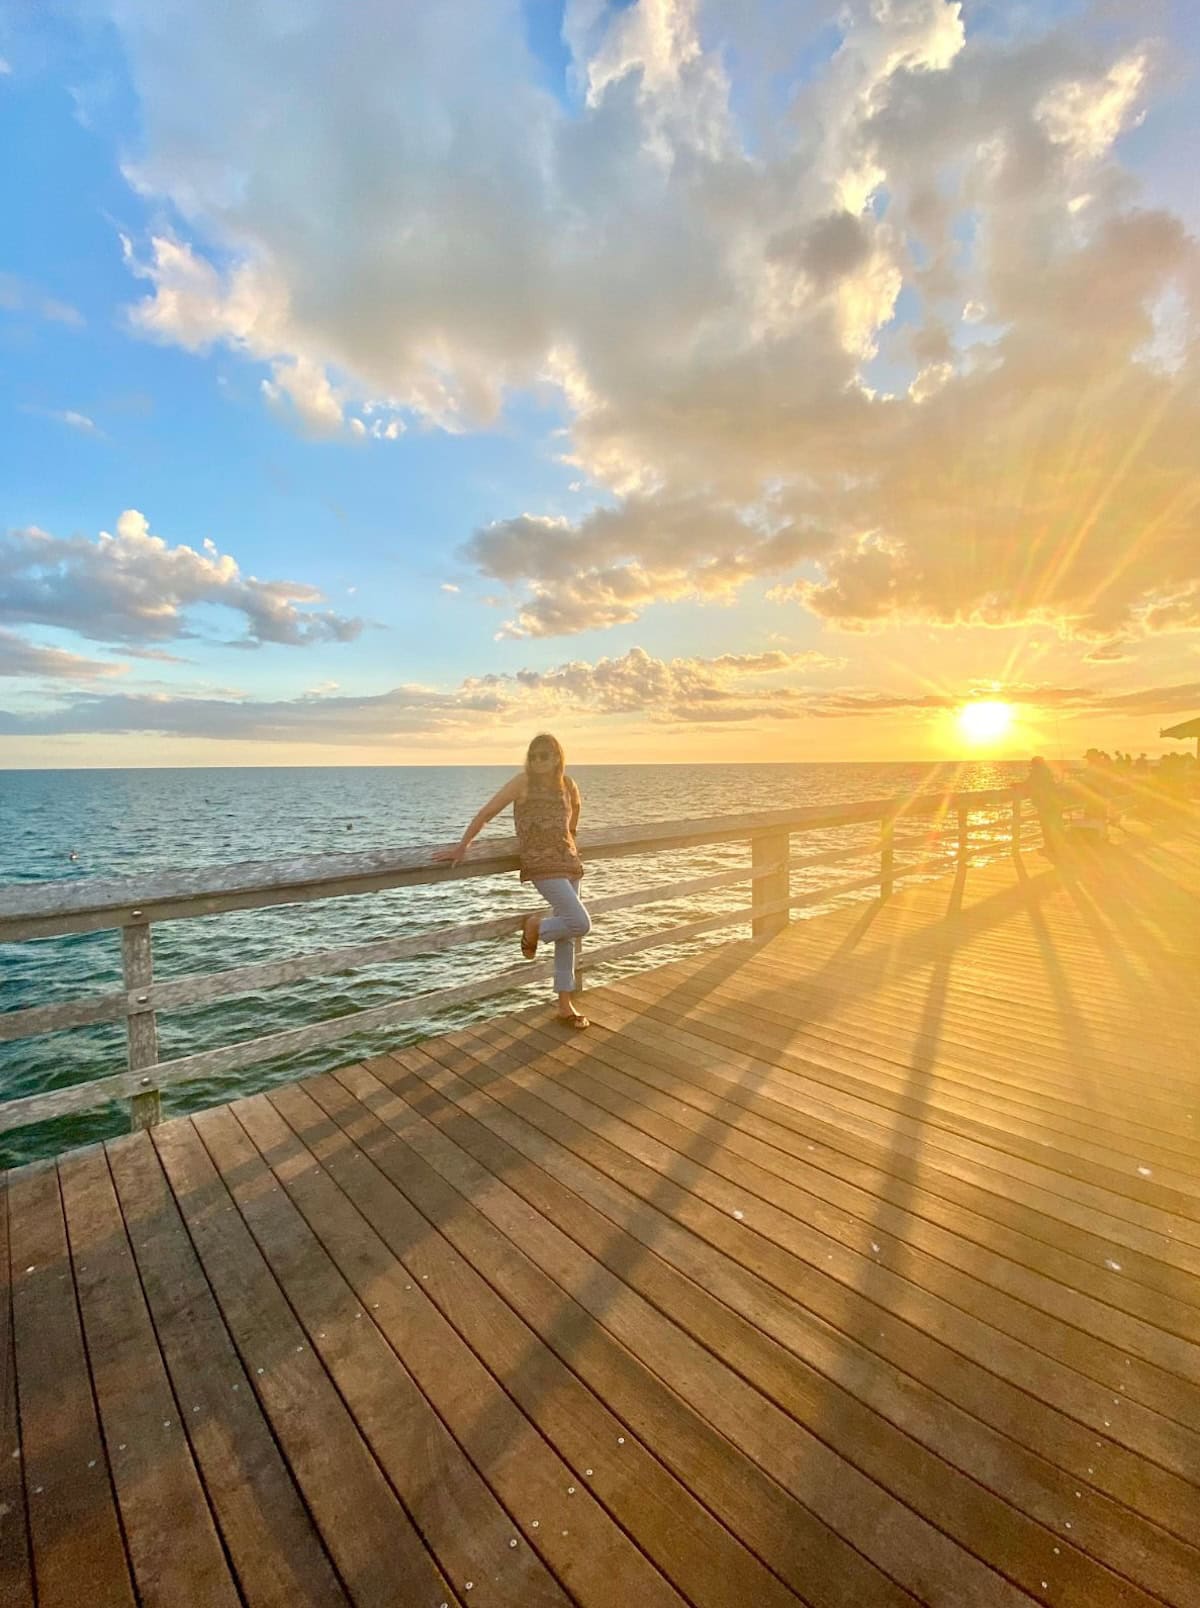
1047	801
1095	790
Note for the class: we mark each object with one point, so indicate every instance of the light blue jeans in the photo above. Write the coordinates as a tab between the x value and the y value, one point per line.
569	921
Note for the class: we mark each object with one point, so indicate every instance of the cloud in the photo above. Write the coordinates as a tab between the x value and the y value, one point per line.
605	568
661	690
306	386
20	657
78	421
1113	652
134	589
68	416
20	296
741	689
639	683
1087	115
702	247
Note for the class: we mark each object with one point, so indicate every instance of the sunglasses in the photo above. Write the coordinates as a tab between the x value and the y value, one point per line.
542	753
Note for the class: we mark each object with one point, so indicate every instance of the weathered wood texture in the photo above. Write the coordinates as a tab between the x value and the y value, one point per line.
43	908
137	965
203	987
131	905
856	1266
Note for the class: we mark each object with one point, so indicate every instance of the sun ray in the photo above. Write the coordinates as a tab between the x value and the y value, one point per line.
1060	563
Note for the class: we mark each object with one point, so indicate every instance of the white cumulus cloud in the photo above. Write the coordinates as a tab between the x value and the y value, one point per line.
134	588
703	245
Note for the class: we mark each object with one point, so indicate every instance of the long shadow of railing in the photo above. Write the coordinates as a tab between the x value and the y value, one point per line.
618	1251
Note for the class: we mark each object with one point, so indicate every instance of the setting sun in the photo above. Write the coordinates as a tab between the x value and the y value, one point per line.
986	721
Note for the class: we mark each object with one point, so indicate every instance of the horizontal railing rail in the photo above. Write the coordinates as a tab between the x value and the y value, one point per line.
133	905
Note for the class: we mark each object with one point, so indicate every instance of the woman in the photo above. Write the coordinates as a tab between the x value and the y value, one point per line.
545	805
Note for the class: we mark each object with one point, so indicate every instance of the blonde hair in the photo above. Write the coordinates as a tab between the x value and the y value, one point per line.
545	738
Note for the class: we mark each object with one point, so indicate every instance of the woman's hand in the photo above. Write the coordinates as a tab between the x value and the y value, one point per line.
490	810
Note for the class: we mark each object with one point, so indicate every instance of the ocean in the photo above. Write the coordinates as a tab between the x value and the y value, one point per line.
133	823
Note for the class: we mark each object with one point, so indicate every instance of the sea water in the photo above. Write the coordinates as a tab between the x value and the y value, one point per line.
136	823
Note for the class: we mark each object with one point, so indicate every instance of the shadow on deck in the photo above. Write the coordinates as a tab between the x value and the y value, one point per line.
855	1267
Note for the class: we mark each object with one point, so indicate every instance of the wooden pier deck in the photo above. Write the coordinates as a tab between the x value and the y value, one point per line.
857	1266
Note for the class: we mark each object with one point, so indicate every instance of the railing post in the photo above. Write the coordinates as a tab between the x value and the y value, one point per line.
887	856
137	963
769	848
964	834
1016	824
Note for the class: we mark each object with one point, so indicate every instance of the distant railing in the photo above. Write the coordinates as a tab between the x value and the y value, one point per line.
134	904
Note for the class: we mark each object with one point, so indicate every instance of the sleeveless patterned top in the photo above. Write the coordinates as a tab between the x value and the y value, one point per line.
544	838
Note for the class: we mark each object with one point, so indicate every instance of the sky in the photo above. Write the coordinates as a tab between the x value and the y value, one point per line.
698	379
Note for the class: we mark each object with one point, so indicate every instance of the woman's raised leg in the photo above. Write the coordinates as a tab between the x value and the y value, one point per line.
568	921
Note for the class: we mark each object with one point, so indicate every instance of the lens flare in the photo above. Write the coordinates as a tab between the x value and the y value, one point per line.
985	721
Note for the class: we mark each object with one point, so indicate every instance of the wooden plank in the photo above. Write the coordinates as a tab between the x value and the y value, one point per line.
274	1548
92	903
885	1189
204	987
818	1069
465	1530
569	1298
16	1577
879	1176
853	991
887	858
990	1083
366	1530
822	1057
230	1058
491	1058
837	890
707	1563
971	1085
994	941
1058	1041
1128	1222
808	862
169	1533
511	1471
459	1519
899	1544
896	969
1008	1000
771	888
74	1529
54	1018
137	965
987	1528
1092	1172
943	1162
1096	1368
976	1016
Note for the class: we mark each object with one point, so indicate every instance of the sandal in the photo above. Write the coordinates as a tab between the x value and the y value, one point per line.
577	1023
528	947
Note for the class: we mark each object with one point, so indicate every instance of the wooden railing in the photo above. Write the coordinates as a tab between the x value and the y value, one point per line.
133	905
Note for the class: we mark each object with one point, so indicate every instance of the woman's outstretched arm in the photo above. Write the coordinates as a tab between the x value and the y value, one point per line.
499	801
575	805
